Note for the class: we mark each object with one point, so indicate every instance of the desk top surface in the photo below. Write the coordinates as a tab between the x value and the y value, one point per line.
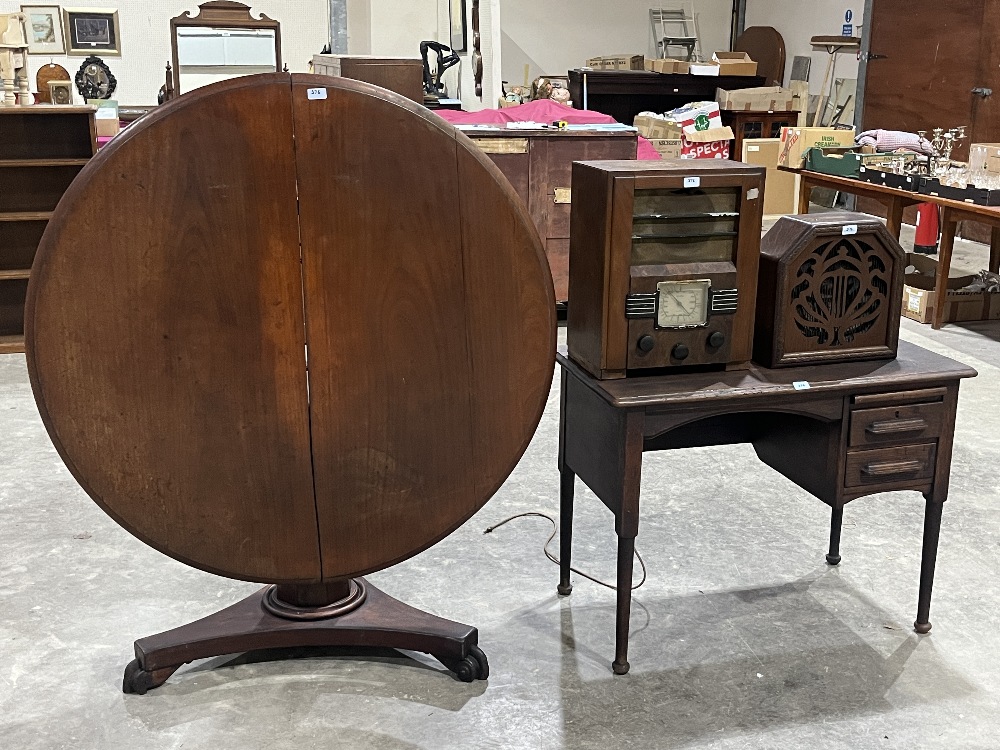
853	184
646	77
914	367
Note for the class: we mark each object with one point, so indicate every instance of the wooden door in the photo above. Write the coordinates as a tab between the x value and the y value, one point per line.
925	58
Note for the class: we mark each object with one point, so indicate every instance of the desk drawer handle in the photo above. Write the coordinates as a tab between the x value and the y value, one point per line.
893	426
892	468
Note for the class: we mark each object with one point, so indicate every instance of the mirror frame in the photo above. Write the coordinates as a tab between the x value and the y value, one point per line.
222	14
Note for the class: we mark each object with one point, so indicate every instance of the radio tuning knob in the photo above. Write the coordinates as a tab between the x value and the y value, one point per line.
680	352
717	339
646	343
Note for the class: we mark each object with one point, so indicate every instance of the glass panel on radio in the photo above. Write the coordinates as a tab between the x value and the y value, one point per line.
691	225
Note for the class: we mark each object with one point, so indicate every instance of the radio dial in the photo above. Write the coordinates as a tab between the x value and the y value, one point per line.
717	339
646	343
680	351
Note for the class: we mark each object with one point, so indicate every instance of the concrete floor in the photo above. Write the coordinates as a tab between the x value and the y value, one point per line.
743	637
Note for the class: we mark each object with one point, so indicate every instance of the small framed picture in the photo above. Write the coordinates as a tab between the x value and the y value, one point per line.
90	30
43	24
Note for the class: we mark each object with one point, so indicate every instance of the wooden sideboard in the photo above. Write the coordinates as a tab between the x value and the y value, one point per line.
42	149
539	165
625	93
403	75
748	125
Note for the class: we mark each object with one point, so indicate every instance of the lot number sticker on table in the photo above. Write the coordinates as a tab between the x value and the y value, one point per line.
316	93
849	229
690	182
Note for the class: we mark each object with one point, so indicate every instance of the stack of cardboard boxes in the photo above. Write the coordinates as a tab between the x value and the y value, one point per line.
961	303
694	131
721	64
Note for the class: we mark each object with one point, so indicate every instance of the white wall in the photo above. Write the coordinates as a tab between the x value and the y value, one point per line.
555	35
395	28
798	21
145	41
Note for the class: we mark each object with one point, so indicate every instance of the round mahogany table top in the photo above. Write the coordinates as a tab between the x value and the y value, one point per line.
290	329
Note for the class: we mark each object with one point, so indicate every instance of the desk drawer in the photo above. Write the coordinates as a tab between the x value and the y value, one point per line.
896	424
888	465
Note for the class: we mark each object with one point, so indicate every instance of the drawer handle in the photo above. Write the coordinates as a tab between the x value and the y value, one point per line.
891	468
893	426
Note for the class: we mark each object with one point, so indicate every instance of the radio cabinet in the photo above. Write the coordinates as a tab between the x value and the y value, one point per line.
830	289
663	264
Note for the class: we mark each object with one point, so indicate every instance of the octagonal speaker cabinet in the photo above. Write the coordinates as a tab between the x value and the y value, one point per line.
830	289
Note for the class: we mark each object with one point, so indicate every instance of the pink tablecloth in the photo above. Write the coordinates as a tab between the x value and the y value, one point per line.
543	110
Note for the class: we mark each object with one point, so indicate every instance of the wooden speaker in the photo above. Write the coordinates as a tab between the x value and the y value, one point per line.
830	288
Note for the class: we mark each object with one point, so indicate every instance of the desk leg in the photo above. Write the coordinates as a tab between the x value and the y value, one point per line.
805	191
932	528
567	480
995	250
836	521
626	552
948	227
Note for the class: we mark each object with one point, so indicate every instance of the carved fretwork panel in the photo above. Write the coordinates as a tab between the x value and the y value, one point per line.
840	296
830	289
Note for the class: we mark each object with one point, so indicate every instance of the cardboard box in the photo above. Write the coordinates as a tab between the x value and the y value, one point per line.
760	99
665	129
707	144
617	62
781	189
623	62
735	64
960	306
106	121
704	69
656	127
697	116
984	157
668	65
796	141
667	148
924	273
920	299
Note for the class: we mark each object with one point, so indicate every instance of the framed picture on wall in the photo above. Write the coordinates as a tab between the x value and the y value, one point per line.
43	23
90	30
459	34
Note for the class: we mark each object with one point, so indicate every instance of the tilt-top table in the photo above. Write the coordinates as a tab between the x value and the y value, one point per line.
839	431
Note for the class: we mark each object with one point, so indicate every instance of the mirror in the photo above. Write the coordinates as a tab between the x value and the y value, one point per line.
223	41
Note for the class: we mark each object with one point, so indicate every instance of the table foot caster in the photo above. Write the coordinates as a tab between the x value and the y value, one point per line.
473	667
620	667
833	559
922	627
137	681
564	590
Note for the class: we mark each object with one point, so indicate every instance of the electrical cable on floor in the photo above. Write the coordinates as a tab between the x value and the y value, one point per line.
553	558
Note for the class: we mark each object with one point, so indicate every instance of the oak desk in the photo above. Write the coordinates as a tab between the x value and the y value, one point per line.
895	200
857	429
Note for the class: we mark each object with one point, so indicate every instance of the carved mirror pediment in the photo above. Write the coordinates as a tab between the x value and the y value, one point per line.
222	41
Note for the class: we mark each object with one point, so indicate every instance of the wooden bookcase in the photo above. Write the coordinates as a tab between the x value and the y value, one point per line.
42	148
